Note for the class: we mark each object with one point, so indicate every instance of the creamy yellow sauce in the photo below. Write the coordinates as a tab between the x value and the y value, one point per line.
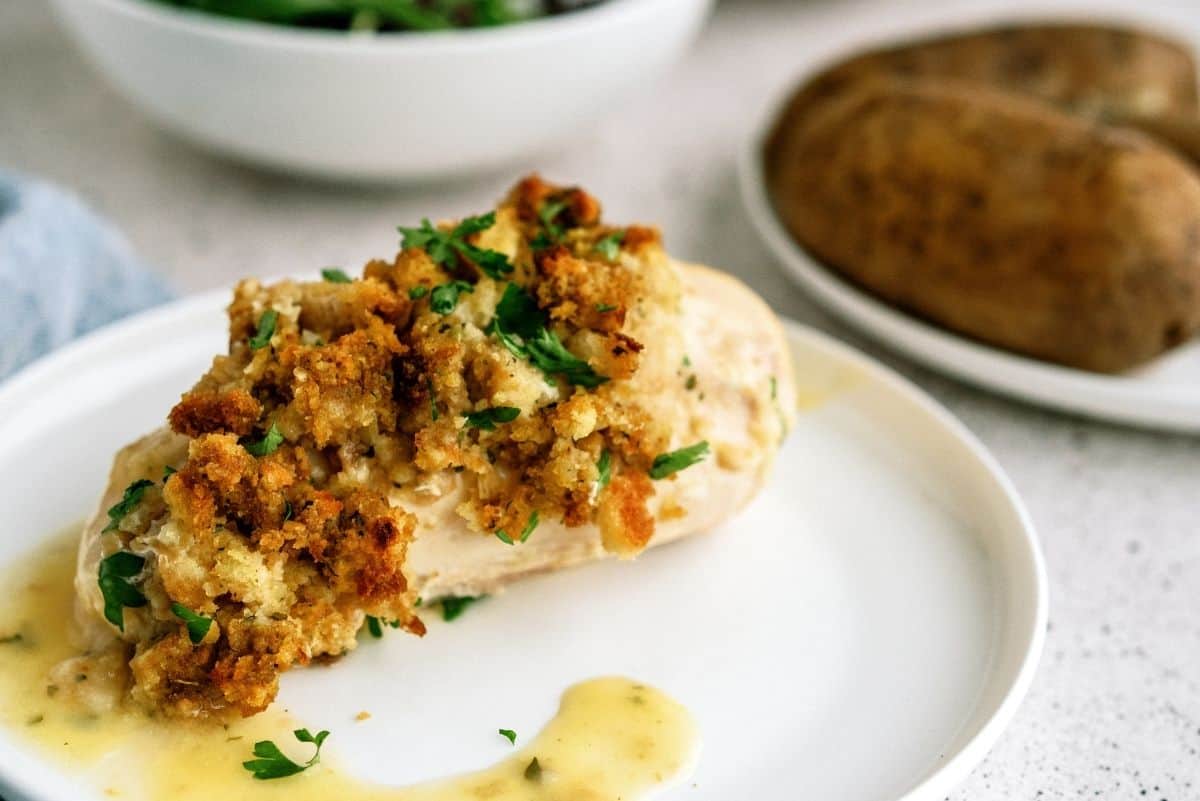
611	740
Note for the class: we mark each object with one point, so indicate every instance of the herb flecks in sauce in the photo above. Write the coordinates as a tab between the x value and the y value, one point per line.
591	746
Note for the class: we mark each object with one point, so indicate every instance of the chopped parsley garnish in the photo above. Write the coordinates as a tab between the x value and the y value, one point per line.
268	444
666	464
118	592
509	734
533	771
444	298
453	606
532	523
418	292
521	327
610	246
486	419
433	409
375	625
168	471
690	384
450	249
266	330
548	212
529	526
271	762
131	498
604	468
197	625
335	275
287	510
605	308
12	639
774	387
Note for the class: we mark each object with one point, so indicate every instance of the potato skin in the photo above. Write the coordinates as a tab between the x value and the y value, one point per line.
1086	69
996	216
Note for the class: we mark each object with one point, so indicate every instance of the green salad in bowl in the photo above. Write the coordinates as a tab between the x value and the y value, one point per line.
384	15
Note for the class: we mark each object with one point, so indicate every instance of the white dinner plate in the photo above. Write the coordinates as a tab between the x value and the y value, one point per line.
864	630
1163	394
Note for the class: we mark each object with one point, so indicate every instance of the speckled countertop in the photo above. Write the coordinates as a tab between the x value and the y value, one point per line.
1115	709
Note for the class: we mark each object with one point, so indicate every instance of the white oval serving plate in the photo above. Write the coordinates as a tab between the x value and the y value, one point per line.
864	630
1164	394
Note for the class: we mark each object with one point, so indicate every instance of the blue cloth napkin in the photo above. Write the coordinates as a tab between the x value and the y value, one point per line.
63	271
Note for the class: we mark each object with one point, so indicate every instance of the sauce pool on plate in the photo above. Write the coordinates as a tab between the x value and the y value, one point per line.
612	738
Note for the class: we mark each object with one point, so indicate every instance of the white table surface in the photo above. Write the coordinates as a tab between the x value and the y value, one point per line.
1115	709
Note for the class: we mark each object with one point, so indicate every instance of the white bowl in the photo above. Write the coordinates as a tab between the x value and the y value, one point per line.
379	106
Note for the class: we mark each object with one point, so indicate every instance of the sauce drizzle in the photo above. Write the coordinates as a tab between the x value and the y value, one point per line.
611	739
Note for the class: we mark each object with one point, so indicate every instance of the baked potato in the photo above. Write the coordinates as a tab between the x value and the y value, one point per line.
1087	69
995	215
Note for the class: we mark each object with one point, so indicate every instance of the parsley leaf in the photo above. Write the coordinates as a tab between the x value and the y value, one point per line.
271	762
335	275
266	330
433	409
529	526
131	498
168	471
610	246
509	734
604	468
605	308
486	419
547	213
197	625
452	607
418	292
115	572
375	625
666	464
521	327
449	249
549	354
444	298
268	444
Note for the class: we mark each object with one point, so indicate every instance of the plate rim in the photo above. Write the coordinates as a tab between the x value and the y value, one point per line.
22	387
945	777
1116	399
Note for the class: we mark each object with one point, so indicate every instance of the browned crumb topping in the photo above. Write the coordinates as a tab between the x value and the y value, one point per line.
283	523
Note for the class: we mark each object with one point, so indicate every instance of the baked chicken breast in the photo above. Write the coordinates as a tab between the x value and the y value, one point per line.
516	392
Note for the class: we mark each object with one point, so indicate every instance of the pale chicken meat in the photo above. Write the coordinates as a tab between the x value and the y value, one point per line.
514	393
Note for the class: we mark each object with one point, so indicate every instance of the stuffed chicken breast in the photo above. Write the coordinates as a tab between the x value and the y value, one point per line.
516	392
